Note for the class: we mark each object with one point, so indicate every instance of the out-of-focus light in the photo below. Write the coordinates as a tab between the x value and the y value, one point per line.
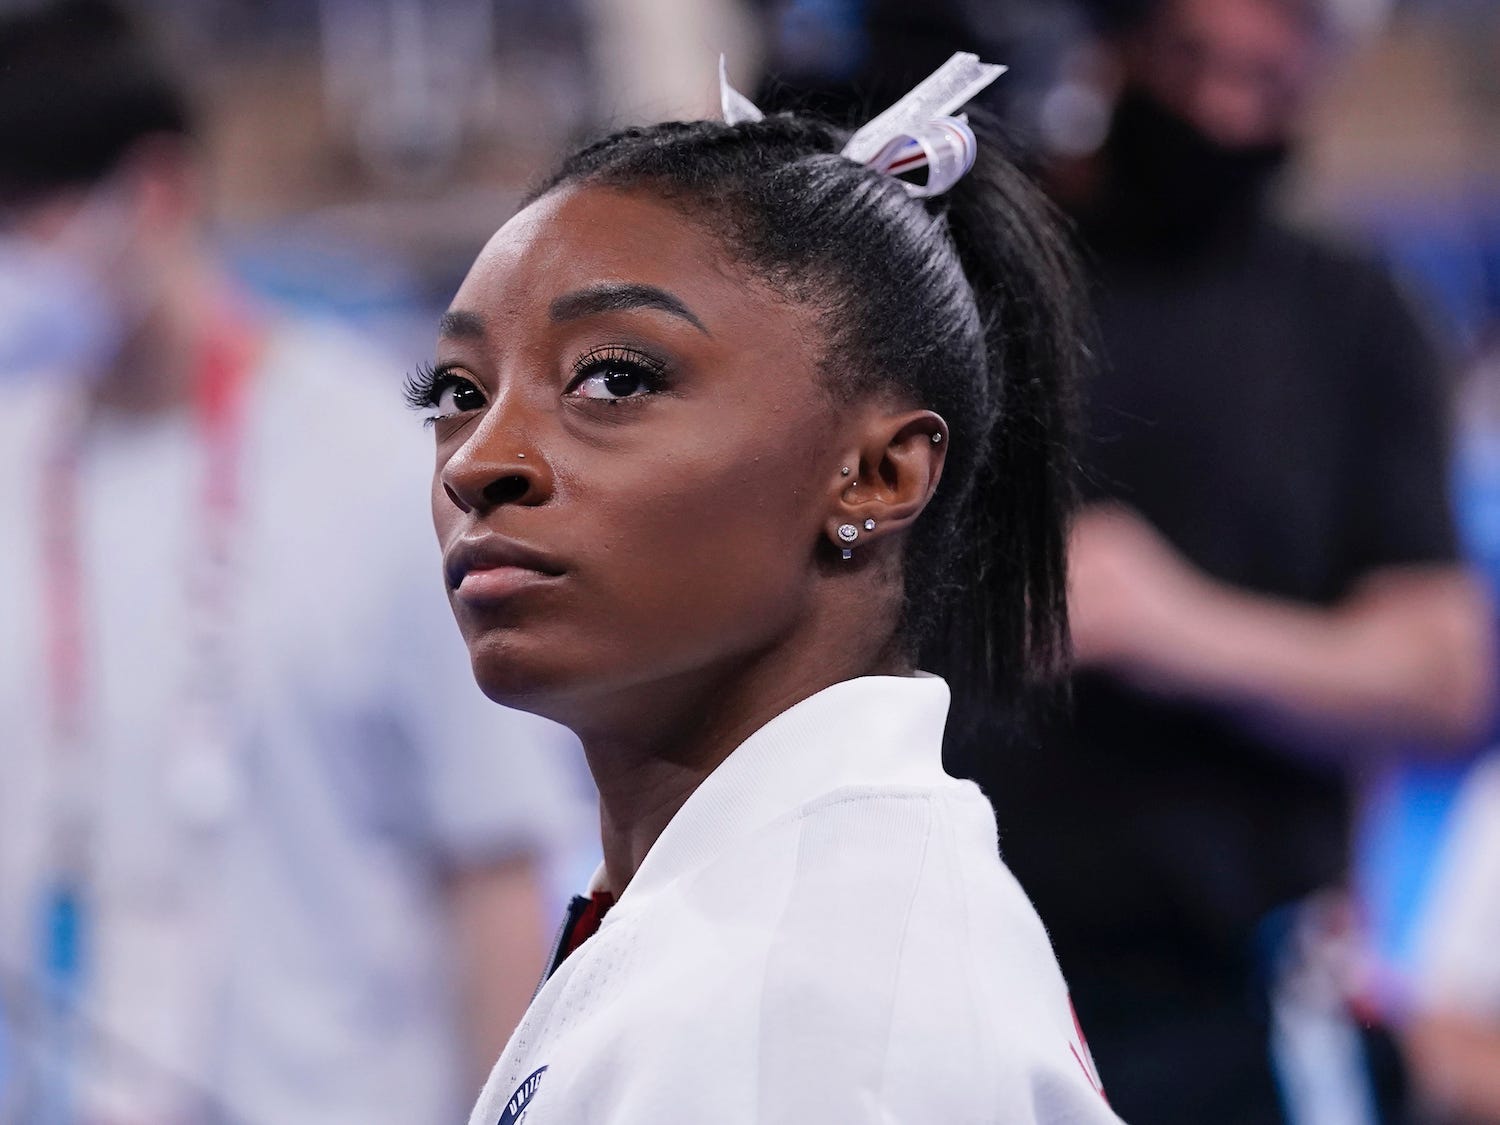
1357	19
1073	119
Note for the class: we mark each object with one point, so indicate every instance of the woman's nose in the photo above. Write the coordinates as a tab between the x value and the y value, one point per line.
498	465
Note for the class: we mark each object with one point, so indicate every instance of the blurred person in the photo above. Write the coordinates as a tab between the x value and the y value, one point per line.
266	855
845	60
731	425
1263	583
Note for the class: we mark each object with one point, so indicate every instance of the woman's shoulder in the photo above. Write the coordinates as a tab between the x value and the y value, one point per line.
874	958
935	847
900	913
901	962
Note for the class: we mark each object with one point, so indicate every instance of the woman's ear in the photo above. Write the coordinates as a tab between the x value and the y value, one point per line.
893	473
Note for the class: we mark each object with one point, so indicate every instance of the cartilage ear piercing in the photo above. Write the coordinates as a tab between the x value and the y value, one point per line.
844	472
869	525
937	439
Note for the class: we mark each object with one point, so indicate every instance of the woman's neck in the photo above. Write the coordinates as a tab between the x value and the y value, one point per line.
649	758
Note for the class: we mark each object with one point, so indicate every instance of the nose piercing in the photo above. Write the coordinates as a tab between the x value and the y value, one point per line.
520	456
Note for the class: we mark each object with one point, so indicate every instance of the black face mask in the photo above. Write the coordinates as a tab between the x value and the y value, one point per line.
1171	187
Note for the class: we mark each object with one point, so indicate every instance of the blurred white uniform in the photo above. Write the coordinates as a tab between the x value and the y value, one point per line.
1458	955
823	933
290	960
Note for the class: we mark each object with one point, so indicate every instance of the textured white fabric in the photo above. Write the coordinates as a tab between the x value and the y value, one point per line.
823	933
370	763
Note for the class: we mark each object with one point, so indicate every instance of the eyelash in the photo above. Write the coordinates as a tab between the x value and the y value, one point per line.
424	385
652	371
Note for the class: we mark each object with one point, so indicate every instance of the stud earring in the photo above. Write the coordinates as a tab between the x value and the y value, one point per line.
848	533
844	472
937	439
869	525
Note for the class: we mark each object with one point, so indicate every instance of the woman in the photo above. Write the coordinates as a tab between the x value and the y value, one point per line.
730	426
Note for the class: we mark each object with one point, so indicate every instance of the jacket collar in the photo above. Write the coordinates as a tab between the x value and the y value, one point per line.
872	731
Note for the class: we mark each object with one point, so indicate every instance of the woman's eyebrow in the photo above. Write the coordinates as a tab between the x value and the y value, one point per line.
616	296
462	324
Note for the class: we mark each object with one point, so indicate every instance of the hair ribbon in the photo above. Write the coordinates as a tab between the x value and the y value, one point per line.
919	131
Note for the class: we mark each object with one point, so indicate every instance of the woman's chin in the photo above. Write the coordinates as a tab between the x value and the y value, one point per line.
510	672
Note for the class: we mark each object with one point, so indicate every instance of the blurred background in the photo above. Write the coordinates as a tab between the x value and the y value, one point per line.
396	135
325	171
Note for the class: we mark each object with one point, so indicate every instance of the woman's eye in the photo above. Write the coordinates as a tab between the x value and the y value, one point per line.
613	382
457	397
612	378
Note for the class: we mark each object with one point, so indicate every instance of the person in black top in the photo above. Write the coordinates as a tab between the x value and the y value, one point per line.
1264	579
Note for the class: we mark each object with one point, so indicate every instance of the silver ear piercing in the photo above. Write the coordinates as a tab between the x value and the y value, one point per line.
937	439
869	525
848	533
844	472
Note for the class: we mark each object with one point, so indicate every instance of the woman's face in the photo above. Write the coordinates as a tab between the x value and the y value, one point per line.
636	464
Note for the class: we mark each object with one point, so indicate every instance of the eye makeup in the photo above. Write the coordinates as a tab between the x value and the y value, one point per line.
613	373
432	387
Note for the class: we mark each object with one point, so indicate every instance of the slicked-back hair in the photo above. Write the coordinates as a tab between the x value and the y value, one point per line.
966	304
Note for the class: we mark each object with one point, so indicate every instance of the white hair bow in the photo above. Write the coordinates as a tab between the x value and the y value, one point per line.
918	131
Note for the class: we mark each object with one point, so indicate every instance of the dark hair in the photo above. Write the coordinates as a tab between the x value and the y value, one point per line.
79	86
967	304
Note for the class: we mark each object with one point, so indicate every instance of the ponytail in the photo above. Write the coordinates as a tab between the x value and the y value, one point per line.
1001	639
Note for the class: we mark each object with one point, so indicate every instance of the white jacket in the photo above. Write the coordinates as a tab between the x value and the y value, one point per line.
824	933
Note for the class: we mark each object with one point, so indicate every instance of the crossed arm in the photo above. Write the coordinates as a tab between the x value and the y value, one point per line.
1406	655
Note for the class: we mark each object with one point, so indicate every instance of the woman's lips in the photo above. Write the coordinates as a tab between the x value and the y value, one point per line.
488	568
496	583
